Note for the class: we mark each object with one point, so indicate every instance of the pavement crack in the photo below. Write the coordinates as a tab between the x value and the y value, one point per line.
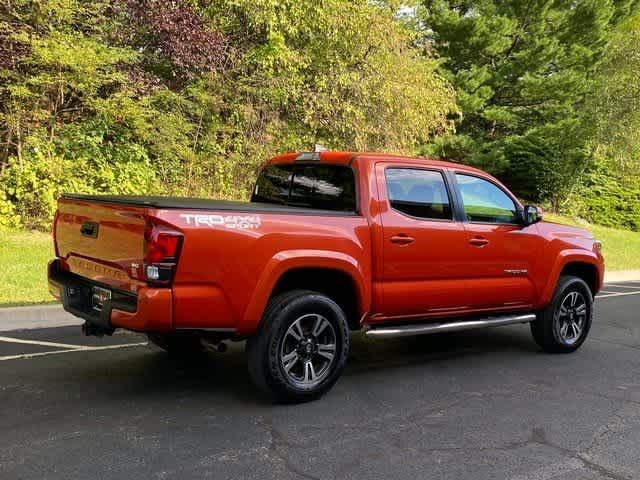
604	430
605	472
278	446
539	437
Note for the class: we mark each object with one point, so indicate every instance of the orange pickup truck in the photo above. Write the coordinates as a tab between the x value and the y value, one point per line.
330	242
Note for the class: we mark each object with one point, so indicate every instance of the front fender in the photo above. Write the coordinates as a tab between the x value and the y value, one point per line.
564	258
287	260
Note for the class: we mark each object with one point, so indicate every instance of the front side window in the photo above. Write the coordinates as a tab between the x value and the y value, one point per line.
485	202
325	187
418	193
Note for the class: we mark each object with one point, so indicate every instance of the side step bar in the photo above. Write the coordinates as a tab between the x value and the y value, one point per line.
426	328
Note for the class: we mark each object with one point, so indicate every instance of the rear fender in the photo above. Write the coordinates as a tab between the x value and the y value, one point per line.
288	260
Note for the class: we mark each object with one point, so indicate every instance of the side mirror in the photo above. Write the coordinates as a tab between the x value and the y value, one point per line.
532	214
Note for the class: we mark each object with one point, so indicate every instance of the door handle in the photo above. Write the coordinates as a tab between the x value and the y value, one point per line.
479	242
402	239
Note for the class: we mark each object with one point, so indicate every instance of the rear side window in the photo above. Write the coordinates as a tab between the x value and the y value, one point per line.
419	193
484	202
325	187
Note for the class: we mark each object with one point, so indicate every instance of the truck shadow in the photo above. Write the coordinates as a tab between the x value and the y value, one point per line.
153	373
368	354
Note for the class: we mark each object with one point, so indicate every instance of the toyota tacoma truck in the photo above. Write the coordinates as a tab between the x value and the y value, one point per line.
330	242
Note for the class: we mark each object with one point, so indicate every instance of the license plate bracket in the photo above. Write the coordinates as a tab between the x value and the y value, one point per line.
99	295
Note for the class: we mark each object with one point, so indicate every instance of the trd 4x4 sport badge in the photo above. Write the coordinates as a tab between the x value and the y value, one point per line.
228	221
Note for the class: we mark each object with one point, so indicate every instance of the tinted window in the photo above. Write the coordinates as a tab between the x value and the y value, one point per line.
326	187
485	202
419	193
323	186
273	185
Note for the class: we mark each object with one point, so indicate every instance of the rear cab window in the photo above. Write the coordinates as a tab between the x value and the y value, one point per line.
317	186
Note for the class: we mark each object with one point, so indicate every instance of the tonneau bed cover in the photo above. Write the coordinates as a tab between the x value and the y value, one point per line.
201	204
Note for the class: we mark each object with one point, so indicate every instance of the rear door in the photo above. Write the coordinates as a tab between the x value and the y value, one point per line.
500	252
422	268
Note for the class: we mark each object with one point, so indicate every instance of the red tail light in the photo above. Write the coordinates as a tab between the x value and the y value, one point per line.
53	232
162	248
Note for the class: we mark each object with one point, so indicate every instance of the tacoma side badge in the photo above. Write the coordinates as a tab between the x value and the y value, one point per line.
228	221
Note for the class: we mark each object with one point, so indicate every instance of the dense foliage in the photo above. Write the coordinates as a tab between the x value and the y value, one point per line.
186	98
189	97
609	193
524	72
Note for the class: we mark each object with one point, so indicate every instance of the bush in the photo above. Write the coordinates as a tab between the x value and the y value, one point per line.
546	163
8	216
607	200
31	189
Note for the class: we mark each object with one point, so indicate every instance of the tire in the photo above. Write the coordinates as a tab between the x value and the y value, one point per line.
176	344
563	326
299	327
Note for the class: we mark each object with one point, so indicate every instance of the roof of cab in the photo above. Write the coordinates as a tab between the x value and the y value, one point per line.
345	158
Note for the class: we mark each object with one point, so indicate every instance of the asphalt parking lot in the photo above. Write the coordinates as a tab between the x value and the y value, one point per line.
485	404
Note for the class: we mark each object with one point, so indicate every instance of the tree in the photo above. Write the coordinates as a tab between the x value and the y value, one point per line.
343	73
614	108
610	192
522	71
190	97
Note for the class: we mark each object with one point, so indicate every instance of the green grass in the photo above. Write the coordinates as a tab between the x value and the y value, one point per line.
621	248
23	267
24	256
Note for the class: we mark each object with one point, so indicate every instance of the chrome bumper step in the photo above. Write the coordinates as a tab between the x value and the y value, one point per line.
453	326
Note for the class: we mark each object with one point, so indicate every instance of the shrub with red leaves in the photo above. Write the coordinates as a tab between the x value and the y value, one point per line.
175	40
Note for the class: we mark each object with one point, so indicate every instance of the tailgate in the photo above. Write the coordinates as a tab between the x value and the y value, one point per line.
100	241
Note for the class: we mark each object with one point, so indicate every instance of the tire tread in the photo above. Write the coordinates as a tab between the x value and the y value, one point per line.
542	327
262	348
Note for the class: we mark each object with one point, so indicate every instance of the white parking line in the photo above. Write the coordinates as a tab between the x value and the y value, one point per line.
619	294
621	286
75	349
38	342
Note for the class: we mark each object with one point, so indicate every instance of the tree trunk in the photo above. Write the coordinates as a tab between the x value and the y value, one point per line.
4	161
19	144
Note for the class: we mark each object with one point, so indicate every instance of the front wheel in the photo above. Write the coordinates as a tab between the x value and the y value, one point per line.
301	347
563	326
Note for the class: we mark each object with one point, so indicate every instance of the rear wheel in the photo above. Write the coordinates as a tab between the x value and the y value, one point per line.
563	326
301	347
177	344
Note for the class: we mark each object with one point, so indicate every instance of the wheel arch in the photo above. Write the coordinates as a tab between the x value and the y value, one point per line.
586	271
576	263
335	284
337	275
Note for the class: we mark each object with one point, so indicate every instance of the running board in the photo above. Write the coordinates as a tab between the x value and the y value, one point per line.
426	328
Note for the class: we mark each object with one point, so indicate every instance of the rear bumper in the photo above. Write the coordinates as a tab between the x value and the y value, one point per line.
148	310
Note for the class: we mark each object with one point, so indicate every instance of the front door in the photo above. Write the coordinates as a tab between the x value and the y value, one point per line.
501	252
422	266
